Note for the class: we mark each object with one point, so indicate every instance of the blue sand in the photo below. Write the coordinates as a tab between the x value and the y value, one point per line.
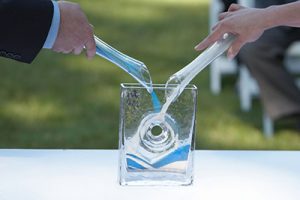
133	165
180	154
155	102
131	66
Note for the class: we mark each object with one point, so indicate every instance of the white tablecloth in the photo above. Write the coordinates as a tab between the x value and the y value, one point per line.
92	175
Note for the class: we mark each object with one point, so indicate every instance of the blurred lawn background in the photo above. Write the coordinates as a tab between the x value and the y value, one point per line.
66	101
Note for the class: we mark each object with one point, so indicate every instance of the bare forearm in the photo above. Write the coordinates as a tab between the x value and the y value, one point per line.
283	15
248	24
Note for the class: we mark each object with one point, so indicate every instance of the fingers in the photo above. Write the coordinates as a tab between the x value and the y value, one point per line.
214	27
234	7
75	31
67	51
87	41
235	48
90	46
223	15
213	37
78	50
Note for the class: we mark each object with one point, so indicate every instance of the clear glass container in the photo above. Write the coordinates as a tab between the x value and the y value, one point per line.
156	150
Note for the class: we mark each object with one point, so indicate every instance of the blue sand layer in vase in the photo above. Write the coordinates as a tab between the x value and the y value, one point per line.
136	163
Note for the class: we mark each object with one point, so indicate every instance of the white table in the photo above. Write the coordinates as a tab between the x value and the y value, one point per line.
92	175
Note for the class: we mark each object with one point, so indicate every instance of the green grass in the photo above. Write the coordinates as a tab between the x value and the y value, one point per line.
66	101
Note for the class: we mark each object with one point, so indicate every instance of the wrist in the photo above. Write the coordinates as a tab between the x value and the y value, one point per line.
283	15
270	17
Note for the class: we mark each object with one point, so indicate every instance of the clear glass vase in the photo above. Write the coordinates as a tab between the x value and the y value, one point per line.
156	151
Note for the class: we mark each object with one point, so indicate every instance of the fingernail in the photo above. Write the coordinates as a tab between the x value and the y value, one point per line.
198	47
230	56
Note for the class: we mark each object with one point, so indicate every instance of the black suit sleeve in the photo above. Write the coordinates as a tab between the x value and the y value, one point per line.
24	28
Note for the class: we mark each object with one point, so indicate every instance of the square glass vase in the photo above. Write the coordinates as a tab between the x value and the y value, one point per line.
156	150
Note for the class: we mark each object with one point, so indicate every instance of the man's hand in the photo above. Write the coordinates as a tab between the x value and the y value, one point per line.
75	33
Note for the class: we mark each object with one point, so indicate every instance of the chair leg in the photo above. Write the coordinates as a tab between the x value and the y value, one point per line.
215	79
245	89
268	126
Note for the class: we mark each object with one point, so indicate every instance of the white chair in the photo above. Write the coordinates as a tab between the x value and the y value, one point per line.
220	66
248	88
